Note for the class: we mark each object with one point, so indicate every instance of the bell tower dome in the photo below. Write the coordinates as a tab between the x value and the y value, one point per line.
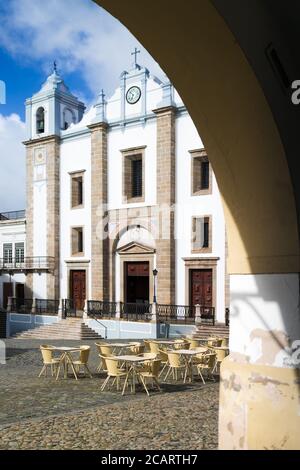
53	109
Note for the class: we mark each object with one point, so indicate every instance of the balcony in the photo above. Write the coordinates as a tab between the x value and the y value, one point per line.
15	215
27	264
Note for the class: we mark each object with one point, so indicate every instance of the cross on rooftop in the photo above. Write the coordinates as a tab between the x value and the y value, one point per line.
135	53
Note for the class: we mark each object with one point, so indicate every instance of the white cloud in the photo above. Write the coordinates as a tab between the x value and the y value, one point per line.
82	36
12	163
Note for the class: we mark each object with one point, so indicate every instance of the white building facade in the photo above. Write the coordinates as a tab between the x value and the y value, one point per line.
120	192
12	249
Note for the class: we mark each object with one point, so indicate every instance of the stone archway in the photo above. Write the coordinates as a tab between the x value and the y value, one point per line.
209	69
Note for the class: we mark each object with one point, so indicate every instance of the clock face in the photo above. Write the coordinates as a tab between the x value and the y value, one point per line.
133	94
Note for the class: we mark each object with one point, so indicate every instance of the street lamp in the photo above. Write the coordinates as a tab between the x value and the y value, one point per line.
155	272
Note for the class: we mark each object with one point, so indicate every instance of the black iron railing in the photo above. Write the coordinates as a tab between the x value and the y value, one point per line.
175	313
207	314
102	309
136	311
21	305
38	263
68	308
12	215
227	312
46	306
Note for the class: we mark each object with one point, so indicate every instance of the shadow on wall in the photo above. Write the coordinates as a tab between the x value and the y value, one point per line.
265	319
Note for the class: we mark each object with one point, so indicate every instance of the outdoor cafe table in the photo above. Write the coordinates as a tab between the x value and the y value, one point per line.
133	362
188	355
66	358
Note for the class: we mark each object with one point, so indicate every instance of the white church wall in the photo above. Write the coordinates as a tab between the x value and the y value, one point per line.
126	138
75	156
189	206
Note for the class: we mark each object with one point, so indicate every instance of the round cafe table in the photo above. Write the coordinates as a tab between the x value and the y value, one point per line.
65	359
133	363
188	355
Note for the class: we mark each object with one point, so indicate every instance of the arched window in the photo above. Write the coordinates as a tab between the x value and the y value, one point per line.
40	121
68	118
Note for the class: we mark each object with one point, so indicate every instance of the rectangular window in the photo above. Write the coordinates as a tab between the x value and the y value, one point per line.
7	253
201	173
201	234
137	178
19	252
133	175
76	190
77	241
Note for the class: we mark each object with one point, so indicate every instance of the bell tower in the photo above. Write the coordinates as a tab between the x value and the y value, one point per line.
49	113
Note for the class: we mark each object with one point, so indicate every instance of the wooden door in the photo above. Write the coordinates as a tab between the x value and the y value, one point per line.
78	288
201	287
7	292
137	282
20	291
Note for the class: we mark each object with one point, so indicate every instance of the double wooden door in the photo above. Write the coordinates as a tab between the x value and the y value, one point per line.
78	288
201	287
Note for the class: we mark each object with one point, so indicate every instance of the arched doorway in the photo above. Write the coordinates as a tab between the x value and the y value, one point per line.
230	111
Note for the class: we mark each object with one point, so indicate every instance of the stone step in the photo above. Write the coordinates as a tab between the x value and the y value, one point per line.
64	329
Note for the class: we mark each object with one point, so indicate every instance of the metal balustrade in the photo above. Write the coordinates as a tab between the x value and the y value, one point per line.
13	215
136	311
21	264
46	306
101	309
175	313
21	305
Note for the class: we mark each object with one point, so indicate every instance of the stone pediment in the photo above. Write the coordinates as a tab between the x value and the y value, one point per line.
135	248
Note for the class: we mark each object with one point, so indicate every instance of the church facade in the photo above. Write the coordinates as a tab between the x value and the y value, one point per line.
122	199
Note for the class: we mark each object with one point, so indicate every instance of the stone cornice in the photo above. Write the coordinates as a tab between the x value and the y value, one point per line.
165	110
96	125
42	140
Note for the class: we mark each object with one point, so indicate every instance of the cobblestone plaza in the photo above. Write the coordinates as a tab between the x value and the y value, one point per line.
41	413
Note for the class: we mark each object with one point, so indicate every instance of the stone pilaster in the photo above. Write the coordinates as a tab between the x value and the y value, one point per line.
165	242
99	242
53	210
44	153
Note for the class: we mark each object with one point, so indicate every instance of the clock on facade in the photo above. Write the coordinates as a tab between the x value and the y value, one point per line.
133	94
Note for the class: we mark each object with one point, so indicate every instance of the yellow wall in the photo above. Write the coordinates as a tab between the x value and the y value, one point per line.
201	57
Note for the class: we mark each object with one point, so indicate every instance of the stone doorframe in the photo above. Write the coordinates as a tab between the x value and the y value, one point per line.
133	252
201	263
78	266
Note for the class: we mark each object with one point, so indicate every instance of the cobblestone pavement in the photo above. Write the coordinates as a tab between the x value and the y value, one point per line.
40	413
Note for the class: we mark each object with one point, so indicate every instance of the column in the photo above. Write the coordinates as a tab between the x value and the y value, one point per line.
165	242
99	243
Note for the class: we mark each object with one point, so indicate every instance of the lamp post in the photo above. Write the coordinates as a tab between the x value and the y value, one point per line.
155	272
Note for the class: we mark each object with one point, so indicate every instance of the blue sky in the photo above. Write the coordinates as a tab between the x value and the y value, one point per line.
91	49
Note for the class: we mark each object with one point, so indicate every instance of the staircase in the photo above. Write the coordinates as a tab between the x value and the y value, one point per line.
71	328
2	324
203	331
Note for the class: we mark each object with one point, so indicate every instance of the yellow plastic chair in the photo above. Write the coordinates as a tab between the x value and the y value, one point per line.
194	343
163	356
137	348
207	364
175	364
154	347
220	356
105	350
214	342
113	372
150	372
181	344
48	360
83	360
225	342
